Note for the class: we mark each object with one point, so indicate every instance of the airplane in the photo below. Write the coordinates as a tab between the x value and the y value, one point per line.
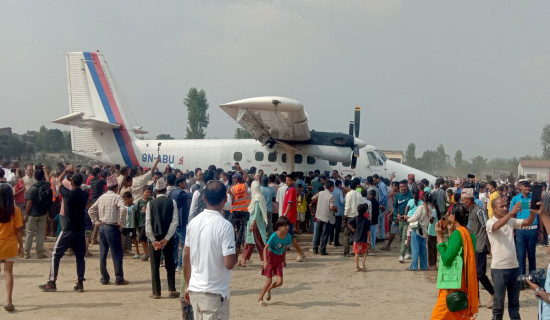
282	138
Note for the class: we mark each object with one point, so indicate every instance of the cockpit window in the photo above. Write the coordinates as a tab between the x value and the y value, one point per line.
373	160
382	156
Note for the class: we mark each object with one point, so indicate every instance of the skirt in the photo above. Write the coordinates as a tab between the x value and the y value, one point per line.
360	247
274	265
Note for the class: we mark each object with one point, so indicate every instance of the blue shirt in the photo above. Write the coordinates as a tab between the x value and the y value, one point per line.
383	192
278	245
339	201
478	202
269	194
544	307
524	213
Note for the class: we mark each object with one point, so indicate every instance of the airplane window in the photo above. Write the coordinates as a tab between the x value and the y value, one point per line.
381	156
339	141
237	156
310	160
259	156
346	164
272	156
298	158
332	163
283	158
372	159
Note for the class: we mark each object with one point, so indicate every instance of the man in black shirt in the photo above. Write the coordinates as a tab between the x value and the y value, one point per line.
73	233
97	184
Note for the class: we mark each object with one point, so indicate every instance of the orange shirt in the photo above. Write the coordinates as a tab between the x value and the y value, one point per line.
9	246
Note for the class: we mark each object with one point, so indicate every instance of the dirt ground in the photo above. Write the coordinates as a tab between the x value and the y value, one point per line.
324	287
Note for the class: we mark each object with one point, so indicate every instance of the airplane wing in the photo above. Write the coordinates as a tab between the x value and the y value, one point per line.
270	118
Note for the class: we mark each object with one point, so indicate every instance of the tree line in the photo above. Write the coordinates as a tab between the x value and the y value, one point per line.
24	146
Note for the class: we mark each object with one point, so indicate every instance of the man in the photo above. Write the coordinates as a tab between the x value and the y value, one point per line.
240	197
339	201
353	200
38	205
493	194
290	210
140	180
28	179
124	171
411	183
161	222
325	217
197	203
183	202
527	236
383	201
477	221
73	234
209	257
110	213
399	218
198	181
504	263
440	196
280	189
268	193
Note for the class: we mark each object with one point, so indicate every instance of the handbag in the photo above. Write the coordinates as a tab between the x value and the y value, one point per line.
457	301
451	278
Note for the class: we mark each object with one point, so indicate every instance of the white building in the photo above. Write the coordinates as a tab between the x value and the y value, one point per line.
535	170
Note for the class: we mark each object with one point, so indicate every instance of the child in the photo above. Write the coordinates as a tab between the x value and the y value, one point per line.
140	221
375	212
129	228
126	185
302	208
275	258
360	226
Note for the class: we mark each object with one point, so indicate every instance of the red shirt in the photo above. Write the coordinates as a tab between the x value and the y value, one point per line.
290	200
20	198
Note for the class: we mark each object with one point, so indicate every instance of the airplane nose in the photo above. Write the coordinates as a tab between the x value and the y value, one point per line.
360	143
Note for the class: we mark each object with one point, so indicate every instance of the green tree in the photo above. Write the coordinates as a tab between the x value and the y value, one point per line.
14	147
164	136
241	133
50	140
197	116
478	165
429	162
545	141
410	157
458	158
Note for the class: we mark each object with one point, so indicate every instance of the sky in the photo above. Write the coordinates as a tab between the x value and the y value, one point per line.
471	75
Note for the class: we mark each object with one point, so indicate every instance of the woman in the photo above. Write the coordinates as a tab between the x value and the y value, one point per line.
256	226
419	235
459	238
20	189
11	238
413	204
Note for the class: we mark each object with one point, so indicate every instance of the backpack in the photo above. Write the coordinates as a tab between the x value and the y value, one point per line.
201	205
45	196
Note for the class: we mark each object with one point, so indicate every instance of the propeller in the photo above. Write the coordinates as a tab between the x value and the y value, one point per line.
354	127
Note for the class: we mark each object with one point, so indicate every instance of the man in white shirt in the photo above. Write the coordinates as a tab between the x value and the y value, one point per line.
504	262
353	199
140	180
209	256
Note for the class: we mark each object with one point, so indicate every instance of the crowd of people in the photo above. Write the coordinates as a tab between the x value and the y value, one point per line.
203	223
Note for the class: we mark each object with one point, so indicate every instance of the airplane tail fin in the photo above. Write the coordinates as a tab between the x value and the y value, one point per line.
98	124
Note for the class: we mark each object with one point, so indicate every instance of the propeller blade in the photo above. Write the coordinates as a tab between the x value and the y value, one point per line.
355	151
353	162
351	126
357	120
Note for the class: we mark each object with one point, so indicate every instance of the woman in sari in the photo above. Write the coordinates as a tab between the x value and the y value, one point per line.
256	227
459	238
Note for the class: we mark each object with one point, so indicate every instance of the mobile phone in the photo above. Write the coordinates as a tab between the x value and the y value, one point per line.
536	196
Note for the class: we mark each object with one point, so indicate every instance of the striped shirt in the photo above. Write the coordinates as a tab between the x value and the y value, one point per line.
109	209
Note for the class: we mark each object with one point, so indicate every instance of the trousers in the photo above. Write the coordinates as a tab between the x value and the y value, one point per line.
66	240
209	306
35	228
506	280
109	239
321	236
169	265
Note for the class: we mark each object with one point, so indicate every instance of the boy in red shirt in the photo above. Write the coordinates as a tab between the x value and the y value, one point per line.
290	210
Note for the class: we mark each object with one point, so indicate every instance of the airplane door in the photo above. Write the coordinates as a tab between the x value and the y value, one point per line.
375	166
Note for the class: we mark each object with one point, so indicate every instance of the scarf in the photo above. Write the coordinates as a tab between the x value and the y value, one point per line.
471	277
256	196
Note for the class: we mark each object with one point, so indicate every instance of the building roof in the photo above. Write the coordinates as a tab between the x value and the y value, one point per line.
535	163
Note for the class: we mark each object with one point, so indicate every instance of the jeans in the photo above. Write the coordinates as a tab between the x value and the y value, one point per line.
381	226
506	280
403	225
239	220
322	232
179	238
526	244
109	238
314	233
373	230
335	235
418	247
35	228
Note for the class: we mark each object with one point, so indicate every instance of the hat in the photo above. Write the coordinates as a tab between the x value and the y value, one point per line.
467	193
161	184
238	176
525	182
112	181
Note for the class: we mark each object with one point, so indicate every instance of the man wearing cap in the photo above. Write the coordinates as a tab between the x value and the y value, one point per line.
527	236
110	213
161	221
477	221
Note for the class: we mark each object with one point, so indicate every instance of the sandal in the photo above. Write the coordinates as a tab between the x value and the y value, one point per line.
152	296
9	307
173	294
357	269
268	296
262	303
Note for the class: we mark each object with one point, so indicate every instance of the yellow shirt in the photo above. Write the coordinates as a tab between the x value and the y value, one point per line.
302	204
494	195
9	243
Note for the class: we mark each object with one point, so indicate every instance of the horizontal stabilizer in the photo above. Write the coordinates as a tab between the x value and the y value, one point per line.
78	120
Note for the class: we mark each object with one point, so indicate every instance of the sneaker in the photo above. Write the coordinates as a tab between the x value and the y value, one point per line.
385	249
490	303
370	254
79	287
178	269
48	287
401	259
144	257
41	256
301	258
136	256
407	256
